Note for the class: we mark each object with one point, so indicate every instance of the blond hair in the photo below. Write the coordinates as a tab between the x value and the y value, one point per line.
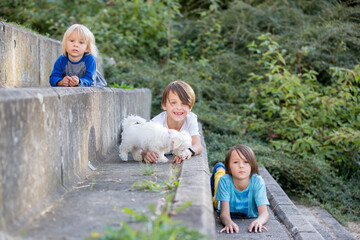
183	90
84	33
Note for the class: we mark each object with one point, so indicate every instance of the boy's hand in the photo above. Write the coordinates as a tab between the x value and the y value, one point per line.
74	81
64	82
256	226
178	159
231	227
150	157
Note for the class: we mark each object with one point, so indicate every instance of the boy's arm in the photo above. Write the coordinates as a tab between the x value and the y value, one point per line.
196	144
230	226
258	224
57	72
87	78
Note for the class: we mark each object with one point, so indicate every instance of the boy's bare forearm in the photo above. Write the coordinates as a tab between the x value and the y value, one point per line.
196	144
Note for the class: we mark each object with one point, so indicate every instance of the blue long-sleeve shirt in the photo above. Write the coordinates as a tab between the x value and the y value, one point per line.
83	69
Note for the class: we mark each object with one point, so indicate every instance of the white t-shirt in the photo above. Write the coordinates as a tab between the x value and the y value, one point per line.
190	122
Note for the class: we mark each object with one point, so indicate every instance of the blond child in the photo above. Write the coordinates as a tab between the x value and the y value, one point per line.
177	101
77	66
239	191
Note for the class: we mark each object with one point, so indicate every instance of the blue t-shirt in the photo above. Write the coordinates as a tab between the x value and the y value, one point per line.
242	203
84	69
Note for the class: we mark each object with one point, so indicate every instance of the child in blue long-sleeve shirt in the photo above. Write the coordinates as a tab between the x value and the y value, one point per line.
77	65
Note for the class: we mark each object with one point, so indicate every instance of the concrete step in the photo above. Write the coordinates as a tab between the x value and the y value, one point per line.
276	230
324	223
97	202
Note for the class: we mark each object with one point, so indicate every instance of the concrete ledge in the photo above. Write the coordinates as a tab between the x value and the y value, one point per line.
287	212
49	136
195	187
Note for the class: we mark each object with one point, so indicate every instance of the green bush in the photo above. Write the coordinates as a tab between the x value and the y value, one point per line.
303	116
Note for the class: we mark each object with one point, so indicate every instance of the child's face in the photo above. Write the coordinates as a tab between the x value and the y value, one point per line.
240	167
175	109
75	46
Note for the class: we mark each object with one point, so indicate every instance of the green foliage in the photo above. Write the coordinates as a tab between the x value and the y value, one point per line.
129	28
303	116
123	86
154	226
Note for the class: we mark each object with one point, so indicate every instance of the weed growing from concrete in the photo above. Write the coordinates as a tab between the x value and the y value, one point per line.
165	186
147	169
152	226
92	184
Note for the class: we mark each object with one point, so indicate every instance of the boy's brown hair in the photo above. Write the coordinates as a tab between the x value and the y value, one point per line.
248	154
183	90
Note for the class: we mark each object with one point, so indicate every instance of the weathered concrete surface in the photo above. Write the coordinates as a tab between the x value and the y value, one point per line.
324	223
287	212
275	231
49	135
49	51
19	57
97	203
195	188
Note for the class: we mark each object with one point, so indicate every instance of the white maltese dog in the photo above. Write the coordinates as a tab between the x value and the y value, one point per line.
139	135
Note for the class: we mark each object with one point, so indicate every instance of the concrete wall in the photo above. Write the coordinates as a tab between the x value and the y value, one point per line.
195	188
27	59
48	136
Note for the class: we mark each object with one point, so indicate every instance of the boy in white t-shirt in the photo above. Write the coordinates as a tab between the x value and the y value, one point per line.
177	101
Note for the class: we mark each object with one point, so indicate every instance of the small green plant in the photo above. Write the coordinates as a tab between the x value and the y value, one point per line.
147	185
122	85
147	169
152	226
166	186
92	184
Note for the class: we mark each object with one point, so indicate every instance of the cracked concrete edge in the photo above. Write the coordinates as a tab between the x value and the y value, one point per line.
195	188
287	212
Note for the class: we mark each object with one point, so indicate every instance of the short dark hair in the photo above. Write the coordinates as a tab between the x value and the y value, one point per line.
249	155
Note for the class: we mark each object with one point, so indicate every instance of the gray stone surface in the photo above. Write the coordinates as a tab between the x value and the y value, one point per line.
49	51
195	187
287	212
20	62
29	171
324	223
97	202
275	229
48	135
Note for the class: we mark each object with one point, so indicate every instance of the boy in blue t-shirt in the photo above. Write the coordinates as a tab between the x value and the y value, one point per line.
241	192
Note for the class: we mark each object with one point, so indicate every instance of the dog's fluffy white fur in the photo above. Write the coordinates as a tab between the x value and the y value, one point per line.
139	135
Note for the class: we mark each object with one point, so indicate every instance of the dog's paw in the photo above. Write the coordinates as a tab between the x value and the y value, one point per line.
123	156
163	159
